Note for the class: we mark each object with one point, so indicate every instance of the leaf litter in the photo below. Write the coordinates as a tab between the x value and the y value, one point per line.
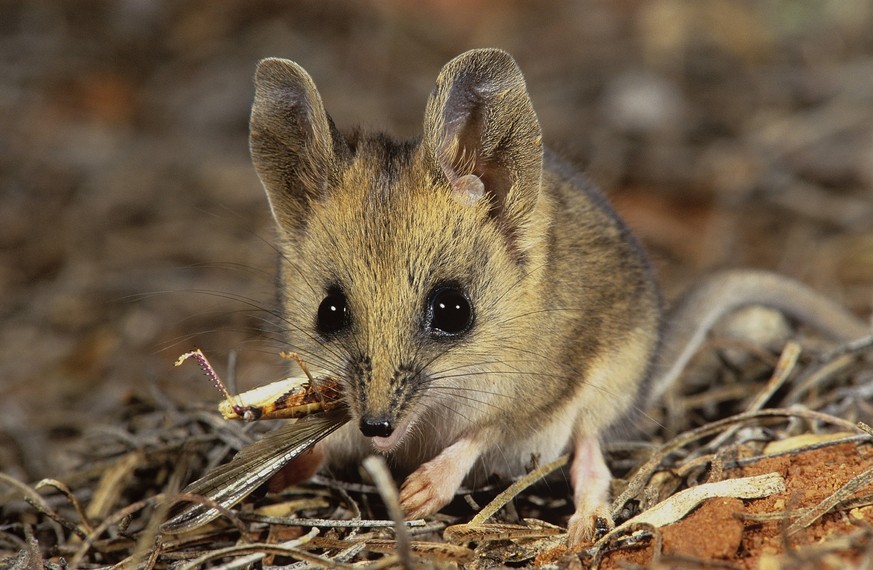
794	454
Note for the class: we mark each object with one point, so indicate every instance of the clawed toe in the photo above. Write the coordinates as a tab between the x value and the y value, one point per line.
586	527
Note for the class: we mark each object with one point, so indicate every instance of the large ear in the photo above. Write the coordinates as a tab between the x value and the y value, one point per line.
479	121
293	141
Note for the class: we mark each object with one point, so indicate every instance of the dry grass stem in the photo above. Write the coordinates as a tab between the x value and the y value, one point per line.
844	492
784	368
514	489
378	470
90	517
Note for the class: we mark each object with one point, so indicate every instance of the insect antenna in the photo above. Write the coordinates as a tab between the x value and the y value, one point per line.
210	373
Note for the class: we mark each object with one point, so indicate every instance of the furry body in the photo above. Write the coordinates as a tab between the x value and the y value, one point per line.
564	319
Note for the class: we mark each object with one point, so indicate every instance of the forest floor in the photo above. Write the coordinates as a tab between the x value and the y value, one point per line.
133	228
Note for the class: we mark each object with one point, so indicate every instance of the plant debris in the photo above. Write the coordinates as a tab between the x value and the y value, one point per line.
727	134
113	514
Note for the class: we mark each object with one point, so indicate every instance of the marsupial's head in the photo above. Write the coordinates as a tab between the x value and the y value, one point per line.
408	269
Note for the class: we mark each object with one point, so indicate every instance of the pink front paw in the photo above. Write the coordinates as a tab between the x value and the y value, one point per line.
432	486
425	492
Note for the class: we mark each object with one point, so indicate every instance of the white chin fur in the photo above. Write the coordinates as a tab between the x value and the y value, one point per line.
386	444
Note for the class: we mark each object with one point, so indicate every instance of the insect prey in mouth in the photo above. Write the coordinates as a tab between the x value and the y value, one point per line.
294	397
315	404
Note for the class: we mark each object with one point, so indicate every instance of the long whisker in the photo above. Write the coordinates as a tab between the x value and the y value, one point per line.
459	394
255	309
278	249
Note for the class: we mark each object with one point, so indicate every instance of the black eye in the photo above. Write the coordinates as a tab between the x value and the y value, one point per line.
333	313
449	312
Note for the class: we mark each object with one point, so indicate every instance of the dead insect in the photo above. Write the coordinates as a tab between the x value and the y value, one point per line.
294	397
316	404
253	466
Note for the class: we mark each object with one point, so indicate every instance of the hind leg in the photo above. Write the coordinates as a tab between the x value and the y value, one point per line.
590	478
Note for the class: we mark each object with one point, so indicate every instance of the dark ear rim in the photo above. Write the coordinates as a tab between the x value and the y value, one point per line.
294	144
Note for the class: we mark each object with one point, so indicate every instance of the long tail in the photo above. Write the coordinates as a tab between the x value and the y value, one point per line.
721	293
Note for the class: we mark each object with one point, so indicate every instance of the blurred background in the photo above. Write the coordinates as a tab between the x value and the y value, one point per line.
132	226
